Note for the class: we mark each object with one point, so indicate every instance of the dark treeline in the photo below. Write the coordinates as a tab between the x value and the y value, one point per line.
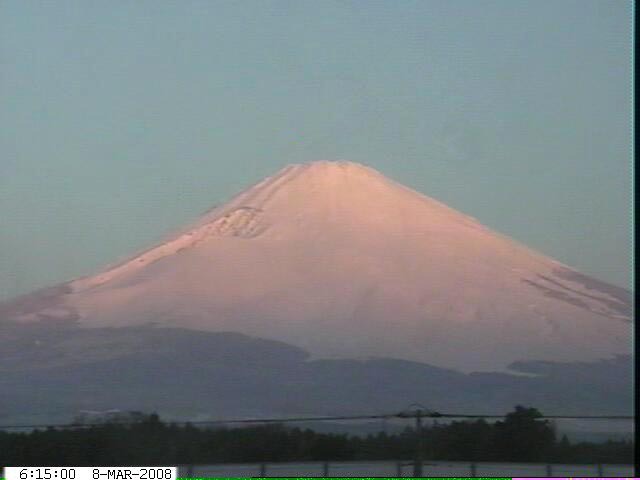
522	437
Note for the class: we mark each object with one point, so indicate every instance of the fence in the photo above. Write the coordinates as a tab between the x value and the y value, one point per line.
404	469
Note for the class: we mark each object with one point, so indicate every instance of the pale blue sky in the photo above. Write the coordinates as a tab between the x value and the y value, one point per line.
120	120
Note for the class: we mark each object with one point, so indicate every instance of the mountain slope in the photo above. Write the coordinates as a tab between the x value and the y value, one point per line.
336	259
48	373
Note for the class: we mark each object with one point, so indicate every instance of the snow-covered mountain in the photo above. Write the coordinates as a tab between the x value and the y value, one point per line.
342	262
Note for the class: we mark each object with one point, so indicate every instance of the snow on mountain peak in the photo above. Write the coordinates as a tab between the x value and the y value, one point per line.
339	260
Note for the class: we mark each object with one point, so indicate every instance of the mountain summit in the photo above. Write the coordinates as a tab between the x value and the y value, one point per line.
336	259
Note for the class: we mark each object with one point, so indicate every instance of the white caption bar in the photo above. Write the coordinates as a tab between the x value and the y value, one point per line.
91	473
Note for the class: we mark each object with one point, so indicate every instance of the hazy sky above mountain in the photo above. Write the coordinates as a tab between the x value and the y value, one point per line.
121	121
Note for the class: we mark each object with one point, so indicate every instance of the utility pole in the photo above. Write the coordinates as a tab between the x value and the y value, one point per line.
417	413
417	464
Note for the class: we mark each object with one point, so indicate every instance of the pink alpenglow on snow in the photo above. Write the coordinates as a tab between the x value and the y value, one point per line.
337	259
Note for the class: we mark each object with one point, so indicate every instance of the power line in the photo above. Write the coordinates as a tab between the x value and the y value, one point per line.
578	417
207	422
413	414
